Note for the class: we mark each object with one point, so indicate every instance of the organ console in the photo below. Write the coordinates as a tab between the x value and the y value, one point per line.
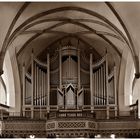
69	81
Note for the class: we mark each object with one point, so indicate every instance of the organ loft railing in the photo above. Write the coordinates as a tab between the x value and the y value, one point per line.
69	82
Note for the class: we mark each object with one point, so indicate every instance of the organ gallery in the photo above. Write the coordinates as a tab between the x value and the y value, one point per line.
69	70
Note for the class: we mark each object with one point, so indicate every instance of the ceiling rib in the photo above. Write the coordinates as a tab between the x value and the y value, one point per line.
135	57
93	13
59	24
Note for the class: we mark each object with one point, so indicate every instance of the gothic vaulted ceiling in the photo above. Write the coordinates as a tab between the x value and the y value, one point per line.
110	27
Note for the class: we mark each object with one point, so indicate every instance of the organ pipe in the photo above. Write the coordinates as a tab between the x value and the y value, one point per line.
32	80
60	69
37	86
115	89
79	84
101	84
104	93
48	82
91	72
44	88
95	88
23	100
99	87
107	80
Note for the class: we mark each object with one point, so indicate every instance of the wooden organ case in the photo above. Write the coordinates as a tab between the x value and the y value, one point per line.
69	84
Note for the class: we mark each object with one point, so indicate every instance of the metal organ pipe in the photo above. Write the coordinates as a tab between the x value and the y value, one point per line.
44	88
48	82
95	88
91	72
115	91
93	85
99	88
35	85
104	93
32	79
60	69
39	87
79	69
23	76
101	85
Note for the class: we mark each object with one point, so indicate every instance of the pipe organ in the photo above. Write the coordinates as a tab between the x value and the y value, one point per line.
69	81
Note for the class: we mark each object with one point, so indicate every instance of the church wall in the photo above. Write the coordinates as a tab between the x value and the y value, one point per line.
9	81
123	109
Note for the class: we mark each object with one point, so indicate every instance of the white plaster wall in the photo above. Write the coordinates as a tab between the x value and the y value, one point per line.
129	77
16	77
2	94
9	80
123	109
136	93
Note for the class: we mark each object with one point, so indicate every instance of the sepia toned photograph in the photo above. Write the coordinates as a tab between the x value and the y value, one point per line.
69	69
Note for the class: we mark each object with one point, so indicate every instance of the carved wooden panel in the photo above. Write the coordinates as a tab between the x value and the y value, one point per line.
91	124
50	125
24	126
71	124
